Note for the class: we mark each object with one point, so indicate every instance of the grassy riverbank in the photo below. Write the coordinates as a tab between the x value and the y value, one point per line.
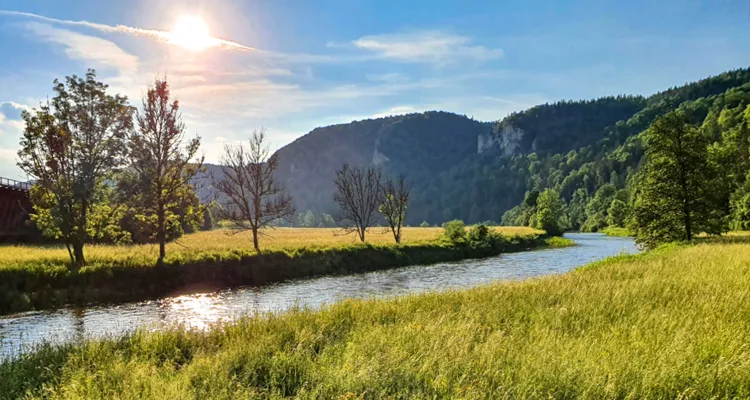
671	323
38	277
616	231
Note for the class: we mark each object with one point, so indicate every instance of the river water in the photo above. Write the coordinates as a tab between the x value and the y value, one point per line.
20	332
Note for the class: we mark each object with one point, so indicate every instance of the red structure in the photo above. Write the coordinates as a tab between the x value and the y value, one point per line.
15	207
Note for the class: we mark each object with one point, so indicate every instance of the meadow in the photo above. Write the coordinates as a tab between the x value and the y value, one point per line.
39	277
671	323
193	246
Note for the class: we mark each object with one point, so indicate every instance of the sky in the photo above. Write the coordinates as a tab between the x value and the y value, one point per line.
289	66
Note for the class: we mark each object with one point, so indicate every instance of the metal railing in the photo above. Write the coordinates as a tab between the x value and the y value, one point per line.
14	184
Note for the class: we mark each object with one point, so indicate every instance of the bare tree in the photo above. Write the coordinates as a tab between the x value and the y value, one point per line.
253	198
358	196
395	196
161	168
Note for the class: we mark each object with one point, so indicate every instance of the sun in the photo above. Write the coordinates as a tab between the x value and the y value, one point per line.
191	33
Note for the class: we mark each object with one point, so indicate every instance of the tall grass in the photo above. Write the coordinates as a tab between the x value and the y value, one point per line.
38	277
671	323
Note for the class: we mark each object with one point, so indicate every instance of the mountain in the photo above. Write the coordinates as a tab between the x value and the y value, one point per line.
416	145
477	171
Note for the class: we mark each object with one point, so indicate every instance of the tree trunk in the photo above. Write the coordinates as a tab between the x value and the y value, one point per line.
80	261
255	240
70	253
161	234
362	235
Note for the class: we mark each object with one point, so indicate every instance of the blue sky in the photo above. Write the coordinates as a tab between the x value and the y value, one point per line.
322	62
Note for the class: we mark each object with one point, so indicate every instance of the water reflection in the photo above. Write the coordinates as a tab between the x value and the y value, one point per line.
199	311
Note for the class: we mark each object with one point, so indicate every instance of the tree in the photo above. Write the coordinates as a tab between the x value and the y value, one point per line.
577	208
70	147
675	199
358	197
254	198
161	165
617	213
549	211
395	196
310	220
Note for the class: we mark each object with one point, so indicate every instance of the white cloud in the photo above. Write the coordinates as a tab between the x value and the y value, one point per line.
433	47
97	51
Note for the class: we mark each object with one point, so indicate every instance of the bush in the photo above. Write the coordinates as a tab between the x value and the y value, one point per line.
424	224
478	234
455	231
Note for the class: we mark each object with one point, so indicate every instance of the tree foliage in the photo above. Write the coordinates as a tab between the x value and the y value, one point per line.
549	212
161	164
71	147
676	199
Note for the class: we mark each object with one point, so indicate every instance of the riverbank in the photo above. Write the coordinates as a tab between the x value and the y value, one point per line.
668	323
33	278
616	231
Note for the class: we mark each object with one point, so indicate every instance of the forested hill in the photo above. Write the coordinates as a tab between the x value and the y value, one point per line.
477	171
417	145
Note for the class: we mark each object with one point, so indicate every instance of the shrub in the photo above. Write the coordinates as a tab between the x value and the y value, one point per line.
455	231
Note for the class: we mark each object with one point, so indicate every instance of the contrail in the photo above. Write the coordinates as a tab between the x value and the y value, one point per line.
162	36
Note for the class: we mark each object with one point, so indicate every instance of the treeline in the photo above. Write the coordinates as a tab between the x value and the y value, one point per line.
485	186
685	174
107	172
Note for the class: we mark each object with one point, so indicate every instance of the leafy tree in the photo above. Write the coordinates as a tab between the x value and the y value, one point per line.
309	220
161	164
424	224
455	231
70	147
549	211
358	195
395	197
254	198
328	221
577	208
675	200
617	213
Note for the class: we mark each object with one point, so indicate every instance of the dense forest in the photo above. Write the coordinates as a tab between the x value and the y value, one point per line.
587	151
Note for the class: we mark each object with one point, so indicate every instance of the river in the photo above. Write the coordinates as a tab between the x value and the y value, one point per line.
20	332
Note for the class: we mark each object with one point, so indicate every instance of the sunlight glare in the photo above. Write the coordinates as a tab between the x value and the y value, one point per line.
191	32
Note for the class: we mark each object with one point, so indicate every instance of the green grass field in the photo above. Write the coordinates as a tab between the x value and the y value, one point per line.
672	323
34	277
210	244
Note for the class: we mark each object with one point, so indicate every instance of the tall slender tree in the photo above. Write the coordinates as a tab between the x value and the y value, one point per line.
395	197
253	199
162	162
675	196
70	147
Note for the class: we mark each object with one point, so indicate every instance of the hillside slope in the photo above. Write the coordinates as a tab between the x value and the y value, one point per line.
476	171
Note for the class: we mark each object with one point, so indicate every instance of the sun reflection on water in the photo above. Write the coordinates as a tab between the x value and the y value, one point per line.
195	311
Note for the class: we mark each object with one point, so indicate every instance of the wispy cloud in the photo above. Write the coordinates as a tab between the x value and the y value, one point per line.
427	47
162	36
93	50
